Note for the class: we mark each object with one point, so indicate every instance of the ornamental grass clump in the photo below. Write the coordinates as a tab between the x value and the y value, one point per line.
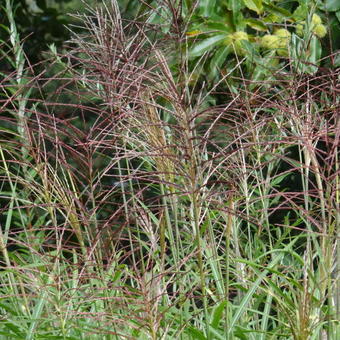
148	206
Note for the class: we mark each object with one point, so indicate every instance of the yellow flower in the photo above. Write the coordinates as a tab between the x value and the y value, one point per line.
282	33
270	41
278	41
316	26
240	35
284	38
228	40
320	30
235	39
316	20
300	28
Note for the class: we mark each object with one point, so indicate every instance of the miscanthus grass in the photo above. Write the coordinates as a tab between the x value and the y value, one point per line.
133	207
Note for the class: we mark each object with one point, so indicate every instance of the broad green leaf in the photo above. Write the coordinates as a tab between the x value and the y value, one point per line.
278	179
218	314
254	5
332	5
218	335
301	13
219	57
195	333
338	15
239	21
207	44
218	26
11	336
234	5
248	48
241	333
256	25
264	68
279	11
207	7
228	20
315	50
7	308
15	329
116	276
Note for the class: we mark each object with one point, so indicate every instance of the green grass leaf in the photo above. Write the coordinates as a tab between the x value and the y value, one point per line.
195	333
218	314
206	45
